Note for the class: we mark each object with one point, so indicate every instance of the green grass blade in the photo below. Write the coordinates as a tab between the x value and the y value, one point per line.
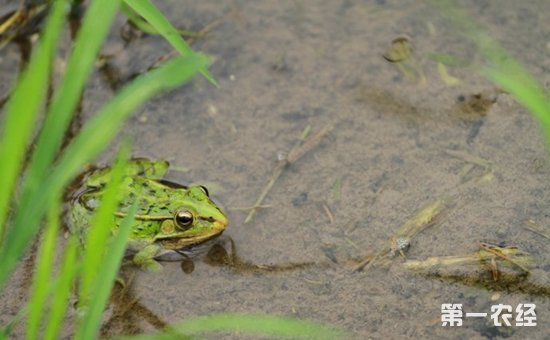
106	277
23	106
61	297
91	35
146	27
262	324
137	20
502	69
92	32
87	145
525	89
110	118
98	235
43	270
100	267
161	24
267	325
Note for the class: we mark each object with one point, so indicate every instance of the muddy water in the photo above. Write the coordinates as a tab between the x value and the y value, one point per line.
285	65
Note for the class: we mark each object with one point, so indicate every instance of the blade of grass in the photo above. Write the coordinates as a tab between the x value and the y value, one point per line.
502	69
43	270
161	24
91	35
137	20
110	118
527	92
92	32
87	145
98	235
265	324
146	27
272	326
105	279
60	299
100	268
23	107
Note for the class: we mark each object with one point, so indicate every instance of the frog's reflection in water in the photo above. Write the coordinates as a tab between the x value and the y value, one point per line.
126	314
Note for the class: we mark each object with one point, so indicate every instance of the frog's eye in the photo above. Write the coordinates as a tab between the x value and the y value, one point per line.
184	219
205	190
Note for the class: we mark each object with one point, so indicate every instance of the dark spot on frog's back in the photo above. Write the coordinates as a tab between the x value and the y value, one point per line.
144	202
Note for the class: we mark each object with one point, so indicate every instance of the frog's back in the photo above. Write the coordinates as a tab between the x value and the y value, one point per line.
155	198
140	180
153	201
137	167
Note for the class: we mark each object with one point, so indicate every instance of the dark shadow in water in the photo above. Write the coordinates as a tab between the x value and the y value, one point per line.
127	313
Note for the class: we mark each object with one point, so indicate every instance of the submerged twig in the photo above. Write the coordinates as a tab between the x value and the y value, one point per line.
535	228
507	256
469	158
328	213
503	254
21	23
296	153
502	268
426	217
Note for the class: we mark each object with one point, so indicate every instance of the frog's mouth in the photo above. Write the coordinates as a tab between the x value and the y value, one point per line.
192	240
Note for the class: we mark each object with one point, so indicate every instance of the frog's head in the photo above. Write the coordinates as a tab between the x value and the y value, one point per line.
196	218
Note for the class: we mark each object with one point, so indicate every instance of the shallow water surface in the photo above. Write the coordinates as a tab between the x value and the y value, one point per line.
401	139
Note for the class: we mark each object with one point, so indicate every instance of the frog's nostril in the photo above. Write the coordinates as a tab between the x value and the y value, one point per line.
208	219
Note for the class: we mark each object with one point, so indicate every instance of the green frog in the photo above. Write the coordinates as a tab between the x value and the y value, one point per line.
170	219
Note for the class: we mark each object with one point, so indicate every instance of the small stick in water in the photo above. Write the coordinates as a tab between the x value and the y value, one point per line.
296	153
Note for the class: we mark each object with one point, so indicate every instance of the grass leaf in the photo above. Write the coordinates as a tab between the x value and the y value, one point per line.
161	24
90	37
267	325
96	238
106	278
43	270
62	293
25	225
502	69
110	118
22	109
101	278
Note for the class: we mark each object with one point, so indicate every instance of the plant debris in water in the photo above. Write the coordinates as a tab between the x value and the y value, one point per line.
492	267
300	148
399	241
400	53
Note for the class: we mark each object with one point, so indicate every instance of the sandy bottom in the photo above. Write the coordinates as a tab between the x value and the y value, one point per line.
402	137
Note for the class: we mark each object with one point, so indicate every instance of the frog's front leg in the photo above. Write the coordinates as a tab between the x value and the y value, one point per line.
145	258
